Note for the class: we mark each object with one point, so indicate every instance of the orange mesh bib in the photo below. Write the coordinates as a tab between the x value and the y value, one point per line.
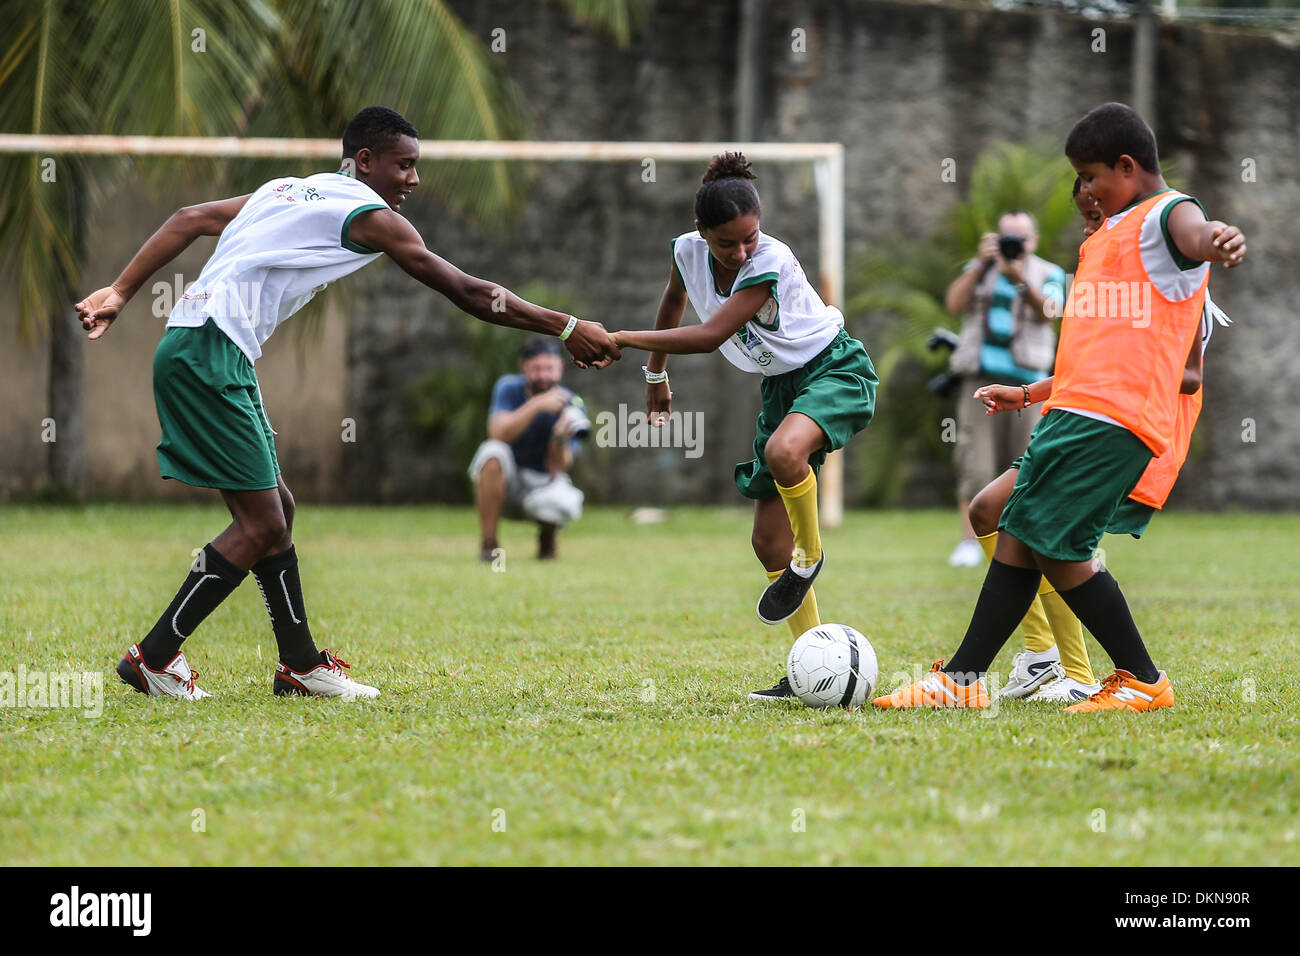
1123	343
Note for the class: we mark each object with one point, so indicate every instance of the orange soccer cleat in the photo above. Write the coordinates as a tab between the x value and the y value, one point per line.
1122	691
937	689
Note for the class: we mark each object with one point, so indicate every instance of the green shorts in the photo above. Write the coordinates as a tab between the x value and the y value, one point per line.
1076	472
214	428
1131	517
836	389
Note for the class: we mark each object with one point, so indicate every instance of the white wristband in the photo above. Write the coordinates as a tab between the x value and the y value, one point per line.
655	378
568	329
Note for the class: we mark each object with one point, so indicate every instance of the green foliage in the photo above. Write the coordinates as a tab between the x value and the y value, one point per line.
896	299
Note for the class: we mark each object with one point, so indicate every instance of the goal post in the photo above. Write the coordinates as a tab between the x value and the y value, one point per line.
826	159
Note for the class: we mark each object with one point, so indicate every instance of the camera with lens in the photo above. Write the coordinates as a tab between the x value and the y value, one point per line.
1011	247
573	421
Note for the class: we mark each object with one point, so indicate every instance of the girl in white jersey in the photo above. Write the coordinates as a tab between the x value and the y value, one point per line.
758	309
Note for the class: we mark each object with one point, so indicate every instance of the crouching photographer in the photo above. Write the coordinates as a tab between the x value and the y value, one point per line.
535	425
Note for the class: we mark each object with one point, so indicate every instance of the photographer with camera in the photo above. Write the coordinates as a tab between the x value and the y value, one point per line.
534	427
1009	299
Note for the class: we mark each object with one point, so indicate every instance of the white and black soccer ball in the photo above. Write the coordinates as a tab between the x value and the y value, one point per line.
832	665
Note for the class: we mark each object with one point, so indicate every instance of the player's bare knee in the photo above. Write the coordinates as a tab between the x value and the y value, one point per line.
784	460
271	534
984	515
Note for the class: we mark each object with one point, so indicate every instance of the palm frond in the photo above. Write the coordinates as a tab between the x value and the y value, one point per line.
618	18
40	195
419	58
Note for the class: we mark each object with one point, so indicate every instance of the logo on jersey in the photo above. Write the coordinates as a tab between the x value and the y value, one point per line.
286	191
749	341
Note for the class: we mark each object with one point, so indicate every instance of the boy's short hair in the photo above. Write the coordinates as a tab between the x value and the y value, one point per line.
1110	131
376	128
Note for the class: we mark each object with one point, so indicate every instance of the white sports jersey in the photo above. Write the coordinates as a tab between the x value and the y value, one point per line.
288	242
793	325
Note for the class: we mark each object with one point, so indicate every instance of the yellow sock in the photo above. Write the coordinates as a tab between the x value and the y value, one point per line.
1037	628
1069	636
804	619
801	505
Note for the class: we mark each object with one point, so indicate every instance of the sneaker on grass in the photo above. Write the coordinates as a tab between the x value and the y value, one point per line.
785	595
174	680
1030	670
782	691
1064	690
936	689
1122	691
326	679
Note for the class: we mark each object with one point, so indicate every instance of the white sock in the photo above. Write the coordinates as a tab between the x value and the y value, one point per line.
803	572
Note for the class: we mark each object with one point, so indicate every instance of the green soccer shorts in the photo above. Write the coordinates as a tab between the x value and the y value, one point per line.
215	433
1074	475
836	389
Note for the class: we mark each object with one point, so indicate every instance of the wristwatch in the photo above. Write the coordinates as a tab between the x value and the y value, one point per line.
1022	287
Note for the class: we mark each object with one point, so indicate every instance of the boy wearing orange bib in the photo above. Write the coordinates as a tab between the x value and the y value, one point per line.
1129	324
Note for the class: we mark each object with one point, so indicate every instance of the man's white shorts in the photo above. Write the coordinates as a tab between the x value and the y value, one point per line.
534	495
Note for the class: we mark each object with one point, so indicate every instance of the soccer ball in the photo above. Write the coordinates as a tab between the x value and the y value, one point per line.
832	665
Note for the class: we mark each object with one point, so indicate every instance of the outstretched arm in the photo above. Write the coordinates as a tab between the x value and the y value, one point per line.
1003	398
385	231
705	337
672	306
1207	240
100	308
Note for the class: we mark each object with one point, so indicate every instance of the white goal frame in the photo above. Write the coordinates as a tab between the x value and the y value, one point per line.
827	161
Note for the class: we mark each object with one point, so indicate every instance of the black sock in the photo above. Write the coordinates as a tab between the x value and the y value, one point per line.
1005	597
277	579
210	581
1100	605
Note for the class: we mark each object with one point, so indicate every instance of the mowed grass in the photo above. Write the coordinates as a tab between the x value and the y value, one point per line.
591	710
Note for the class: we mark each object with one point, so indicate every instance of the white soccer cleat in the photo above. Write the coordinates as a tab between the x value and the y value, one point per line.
174	680
1065	690
1030	670
326	679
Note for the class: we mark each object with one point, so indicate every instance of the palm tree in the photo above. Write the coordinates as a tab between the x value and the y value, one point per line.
896	299
210	67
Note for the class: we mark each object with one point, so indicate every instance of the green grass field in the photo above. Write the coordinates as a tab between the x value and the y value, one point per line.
591	711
